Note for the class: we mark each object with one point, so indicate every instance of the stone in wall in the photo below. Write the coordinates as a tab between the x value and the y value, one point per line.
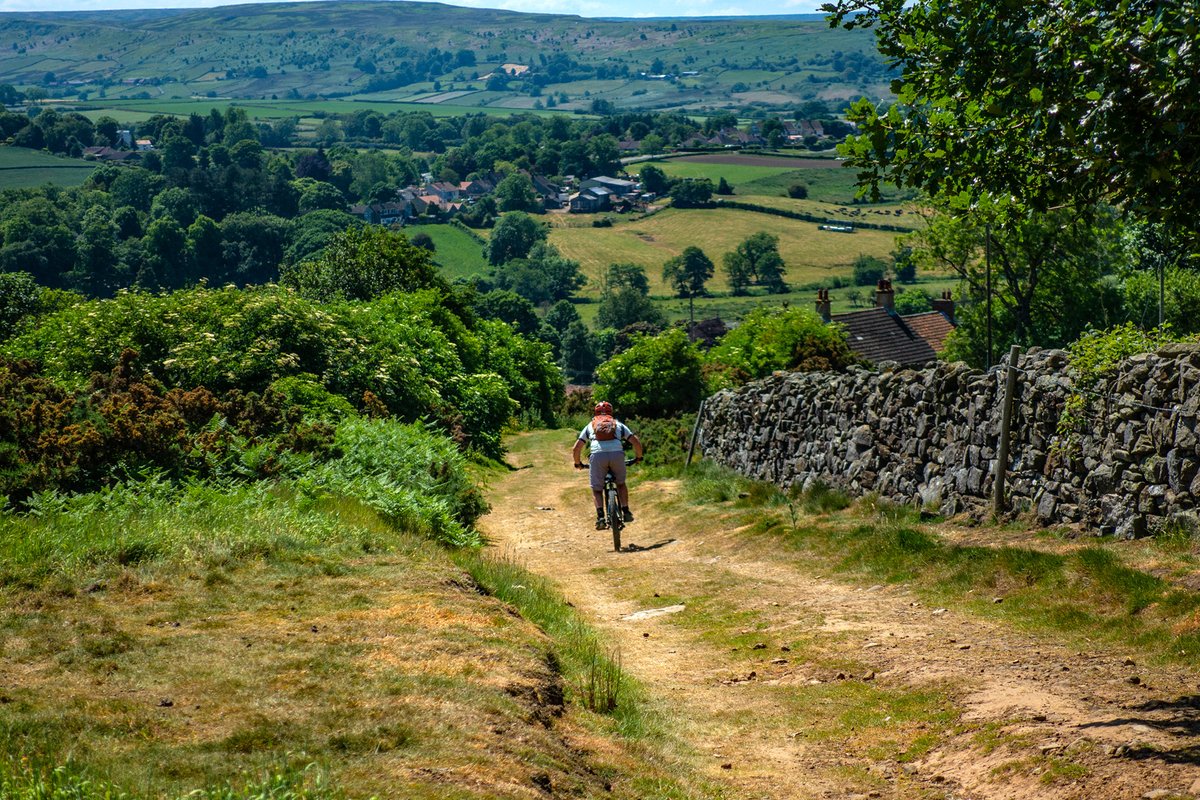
930	436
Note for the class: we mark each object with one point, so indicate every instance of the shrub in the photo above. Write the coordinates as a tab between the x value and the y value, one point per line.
416	355
868	270
656	377
772	339
122	425
913	301
797	191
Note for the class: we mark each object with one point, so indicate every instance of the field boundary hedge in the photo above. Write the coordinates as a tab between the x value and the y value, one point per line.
807	217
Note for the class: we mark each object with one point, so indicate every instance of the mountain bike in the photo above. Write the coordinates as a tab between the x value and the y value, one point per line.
612	506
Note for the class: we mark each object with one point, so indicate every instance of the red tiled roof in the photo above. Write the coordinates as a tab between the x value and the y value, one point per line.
932	326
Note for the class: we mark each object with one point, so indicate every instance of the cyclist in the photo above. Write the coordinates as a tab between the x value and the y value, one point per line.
605	436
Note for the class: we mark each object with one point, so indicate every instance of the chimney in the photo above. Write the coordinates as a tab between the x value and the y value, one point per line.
823	305
884	296
945	305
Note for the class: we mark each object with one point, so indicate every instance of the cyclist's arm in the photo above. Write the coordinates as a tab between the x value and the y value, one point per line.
575	453
637	445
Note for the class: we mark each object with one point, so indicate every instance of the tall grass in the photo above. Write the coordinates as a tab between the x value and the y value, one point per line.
414	479
24	779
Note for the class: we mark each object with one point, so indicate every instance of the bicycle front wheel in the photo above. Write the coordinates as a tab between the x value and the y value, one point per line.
615	520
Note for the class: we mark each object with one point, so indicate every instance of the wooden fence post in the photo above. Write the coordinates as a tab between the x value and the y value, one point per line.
1010	390
695	429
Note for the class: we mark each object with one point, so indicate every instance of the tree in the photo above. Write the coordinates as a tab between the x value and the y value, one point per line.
913	301
515	193
1033	106
544	277
756	260
655	180
315	194
20	297
508	307
177	203
687	273
772	339
364	263
1048	278
562	314
657	376
723	187
624	298
579	352
97	268
166	262
204	247
1181	289
868	270
513	237
904	265
691	193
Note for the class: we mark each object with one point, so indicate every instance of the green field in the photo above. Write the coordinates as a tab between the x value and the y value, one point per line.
736	174
825	184
141	110
22	168
811	254
458	255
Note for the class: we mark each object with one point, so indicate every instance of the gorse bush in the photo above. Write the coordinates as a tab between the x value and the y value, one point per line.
119	426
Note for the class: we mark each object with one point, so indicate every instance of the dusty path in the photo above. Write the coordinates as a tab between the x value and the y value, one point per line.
786	685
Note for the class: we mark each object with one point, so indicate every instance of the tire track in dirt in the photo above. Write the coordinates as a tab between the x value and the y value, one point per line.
1031	718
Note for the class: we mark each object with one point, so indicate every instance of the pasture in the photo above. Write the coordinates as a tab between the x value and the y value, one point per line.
811	255
21	168
755	176
457	254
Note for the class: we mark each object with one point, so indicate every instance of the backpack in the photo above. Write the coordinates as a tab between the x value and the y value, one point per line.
604	428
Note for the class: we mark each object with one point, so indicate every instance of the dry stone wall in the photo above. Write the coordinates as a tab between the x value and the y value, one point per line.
930	436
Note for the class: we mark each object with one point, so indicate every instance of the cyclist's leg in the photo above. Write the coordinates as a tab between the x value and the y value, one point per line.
596	472
622	489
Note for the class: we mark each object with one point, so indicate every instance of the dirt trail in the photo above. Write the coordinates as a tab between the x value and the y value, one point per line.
1010	715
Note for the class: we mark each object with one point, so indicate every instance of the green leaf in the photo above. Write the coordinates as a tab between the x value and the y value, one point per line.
1035	94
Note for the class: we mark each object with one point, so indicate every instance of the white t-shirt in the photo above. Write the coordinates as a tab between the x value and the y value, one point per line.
608	445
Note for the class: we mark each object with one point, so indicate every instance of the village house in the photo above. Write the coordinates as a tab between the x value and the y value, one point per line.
880	334
111	155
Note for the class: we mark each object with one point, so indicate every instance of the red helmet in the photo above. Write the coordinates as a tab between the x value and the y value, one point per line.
603	407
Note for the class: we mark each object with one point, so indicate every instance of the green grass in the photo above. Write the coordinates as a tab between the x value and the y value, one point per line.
458	254
736	174
811	255
255	644
22	168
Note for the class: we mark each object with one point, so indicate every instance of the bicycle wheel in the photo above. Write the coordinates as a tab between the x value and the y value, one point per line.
615	520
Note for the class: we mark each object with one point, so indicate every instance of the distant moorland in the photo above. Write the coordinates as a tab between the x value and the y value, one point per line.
433	54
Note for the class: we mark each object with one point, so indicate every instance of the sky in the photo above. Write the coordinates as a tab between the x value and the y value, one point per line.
586	8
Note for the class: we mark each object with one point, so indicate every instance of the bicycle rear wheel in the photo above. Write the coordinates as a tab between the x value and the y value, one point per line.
615	520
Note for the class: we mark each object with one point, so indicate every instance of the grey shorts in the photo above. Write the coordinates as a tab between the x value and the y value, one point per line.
599	464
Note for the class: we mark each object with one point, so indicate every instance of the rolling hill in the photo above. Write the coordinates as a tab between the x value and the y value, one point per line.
390	50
